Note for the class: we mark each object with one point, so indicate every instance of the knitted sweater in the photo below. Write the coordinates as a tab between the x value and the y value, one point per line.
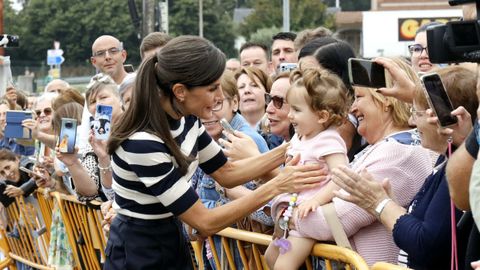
406	166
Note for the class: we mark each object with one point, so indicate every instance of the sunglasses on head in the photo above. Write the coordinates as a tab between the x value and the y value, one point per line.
46	111
277	101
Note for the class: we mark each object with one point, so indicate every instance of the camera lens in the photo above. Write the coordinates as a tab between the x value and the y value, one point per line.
68	125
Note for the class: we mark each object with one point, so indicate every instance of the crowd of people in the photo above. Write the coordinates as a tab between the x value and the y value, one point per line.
270	142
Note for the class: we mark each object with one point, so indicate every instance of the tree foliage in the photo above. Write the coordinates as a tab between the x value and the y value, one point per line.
75	24
303	14
217	19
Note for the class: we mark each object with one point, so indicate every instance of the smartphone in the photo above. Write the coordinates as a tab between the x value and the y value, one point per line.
102	122
438	99
68	136
14	128
287	67
31	172
366	73
226	126
128	68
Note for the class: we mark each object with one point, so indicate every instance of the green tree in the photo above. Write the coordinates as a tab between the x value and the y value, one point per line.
75	24
217	21
303	14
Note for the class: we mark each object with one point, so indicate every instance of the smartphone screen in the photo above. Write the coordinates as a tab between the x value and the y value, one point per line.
68	135
287	67
438	99
366	73
102	122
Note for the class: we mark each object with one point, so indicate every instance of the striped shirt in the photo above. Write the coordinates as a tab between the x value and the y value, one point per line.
146	179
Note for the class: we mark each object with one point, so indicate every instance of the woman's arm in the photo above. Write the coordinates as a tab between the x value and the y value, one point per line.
238	172
291	179
84	184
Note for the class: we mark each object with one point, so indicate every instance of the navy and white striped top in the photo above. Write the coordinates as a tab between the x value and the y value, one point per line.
146	180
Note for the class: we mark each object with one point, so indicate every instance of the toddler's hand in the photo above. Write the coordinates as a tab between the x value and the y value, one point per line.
306	207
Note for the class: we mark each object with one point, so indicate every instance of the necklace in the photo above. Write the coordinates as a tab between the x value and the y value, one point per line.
282	243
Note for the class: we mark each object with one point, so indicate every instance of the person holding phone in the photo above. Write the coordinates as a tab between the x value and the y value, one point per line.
424	224
157	147
92	174
18	182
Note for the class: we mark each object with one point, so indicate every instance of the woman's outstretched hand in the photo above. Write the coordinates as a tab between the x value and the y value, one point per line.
295	178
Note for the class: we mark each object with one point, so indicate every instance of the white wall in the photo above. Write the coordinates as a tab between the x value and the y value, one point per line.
380	30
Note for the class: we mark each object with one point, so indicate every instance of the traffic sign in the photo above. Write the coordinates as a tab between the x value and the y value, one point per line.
54	57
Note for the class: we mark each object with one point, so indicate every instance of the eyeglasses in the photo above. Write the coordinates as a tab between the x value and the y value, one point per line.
277	101
100	78
218	105
417	49
47	111
415	114
103	53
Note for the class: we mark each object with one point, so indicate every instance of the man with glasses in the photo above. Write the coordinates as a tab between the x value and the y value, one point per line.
419	52
108	57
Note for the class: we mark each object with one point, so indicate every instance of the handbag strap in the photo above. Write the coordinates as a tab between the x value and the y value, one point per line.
336	227
454	255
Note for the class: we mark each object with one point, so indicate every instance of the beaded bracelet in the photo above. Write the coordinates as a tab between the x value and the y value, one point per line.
282	243
106	169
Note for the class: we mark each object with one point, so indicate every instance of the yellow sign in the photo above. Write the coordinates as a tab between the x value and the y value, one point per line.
54	73
407	27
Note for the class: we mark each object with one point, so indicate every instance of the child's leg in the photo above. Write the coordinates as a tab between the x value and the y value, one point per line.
295	257
271	255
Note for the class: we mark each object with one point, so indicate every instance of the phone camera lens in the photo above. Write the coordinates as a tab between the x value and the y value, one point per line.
68	125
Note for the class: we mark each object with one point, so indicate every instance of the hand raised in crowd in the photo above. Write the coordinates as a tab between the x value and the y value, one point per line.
362	189
13	191
31	124
239	146
66	158
41	176
403	87
459	131
99	146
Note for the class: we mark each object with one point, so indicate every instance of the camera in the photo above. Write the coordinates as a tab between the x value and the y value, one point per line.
9	41
68	125
455	42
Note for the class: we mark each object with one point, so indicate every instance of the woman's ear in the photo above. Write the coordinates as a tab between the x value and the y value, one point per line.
179	91
235	103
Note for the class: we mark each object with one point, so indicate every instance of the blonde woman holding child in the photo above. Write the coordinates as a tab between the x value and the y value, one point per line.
318	105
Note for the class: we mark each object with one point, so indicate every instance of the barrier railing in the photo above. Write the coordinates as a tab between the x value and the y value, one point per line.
27	234
251	243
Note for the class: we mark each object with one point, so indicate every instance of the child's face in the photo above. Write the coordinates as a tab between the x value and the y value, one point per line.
307	123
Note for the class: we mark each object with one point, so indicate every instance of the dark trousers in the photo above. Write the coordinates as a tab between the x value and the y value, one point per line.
146	244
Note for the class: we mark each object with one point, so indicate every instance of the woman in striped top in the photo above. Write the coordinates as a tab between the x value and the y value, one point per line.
157	148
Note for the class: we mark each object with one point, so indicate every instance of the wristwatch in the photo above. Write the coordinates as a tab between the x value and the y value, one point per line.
381	206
